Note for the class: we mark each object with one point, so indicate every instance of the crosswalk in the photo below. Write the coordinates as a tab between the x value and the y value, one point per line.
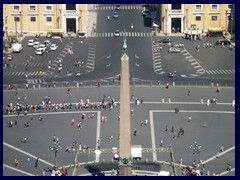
123	7
23	73
91	57
157	62
36	81
223	71
128	34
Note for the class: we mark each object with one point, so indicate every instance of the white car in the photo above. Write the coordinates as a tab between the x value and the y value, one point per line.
36	44
42	47
31	42
17	47
117	33
39	52
46	42
174	50
53	47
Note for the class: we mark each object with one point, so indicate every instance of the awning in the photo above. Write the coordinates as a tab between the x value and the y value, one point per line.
193	32
155	25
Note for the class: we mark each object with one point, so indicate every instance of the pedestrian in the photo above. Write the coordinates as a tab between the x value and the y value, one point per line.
146	122
182	132
40	118
218	89
141	123
180	162
166	129
205	124
174	135
158	83
222	149
161	143
178	134
132	110
92	116
16	161
172	129
188	93
167	85
28	161
189	119
69	91
72	122
24	140
135	132
36	162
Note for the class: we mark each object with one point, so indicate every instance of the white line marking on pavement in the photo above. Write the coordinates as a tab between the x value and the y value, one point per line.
218	155
158	66
160	69
158	63
185	54
193	111
194	63
98	134
188	57
153	136
196	66
28	154
191	60
18	170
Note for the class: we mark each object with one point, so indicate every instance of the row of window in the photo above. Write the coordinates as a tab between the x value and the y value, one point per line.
213	6
33	8
33	19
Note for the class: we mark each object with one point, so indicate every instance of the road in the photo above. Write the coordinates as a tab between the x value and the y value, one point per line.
101	54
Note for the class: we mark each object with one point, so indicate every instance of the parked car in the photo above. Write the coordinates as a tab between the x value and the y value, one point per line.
53	47
42	47
31	42
9	57
118	7
166	40
117	33
174	50
39	52
36	44
17	47
179	45
115	15
220	41
47	42
82	35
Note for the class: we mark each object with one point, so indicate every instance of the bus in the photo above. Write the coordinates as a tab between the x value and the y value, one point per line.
55	33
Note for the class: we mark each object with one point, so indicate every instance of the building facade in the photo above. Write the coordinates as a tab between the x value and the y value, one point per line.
180	17
39	18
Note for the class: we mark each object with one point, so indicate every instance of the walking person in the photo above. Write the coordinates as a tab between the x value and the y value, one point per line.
189	119
166	129
28	161
16	161
188	93
135	132
36	162
180	162
205	124
161	143
146	122
72	122
172	129
40	118
141	124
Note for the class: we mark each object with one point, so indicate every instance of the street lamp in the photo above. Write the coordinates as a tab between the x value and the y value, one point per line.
80	20
195	149
55	148
21	22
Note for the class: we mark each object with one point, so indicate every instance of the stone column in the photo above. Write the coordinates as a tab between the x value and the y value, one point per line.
125	168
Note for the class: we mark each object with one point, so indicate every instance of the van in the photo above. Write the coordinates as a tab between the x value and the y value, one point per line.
164	173
17	47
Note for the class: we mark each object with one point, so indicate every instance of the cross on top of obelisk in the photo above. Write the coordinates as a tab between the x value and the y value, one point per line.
124	41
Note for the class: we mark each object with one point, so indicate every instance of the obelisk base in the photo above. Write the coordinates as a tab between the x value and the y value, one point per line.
125	170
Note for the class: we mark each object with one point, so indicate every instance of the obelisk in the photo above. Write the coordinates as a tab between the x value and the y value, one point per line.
125	168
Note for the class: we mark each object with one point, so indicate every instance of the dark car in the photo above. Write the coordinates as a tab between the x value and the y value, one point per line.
118	7
220	41
166	40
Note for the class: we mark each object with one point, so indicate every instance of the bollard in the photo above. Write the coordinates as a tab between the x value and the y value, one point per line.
173	83
34	86
201	101
77	84
169	100
208	102
39	86
233	103
162	100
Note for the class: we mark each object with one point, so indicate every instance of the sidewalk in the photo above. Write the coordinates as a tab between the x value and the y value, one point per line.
92	20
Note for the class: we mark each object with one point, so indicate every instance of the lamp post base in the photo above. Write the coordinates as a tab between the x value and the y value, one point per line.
125	170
